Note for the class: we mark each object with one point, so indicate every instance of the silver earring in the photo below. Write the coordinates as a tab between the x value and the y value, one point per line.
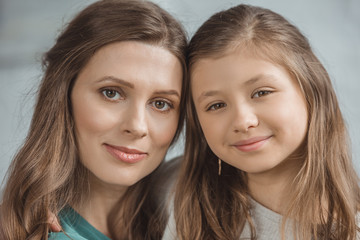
219	160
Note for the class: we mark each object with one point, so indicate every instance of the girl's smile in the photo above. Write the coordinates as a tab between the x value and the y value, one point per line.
252	144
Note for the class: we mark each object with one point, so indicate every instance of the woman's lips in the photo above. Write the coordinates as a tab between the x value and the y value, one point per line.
124	154
251	144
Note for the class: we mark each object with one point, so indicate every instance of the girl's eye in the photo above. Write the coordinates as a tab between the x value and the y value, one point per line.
216	106
261	93
111	94
161	105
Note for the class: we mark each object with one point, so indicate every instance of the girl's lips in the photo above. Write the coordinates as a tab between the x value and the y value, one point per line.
124	154
251	144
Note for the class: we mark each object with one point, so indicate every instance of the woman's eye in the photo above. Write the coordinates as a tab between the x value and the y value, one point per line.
216	106
261	93
111	94
161	105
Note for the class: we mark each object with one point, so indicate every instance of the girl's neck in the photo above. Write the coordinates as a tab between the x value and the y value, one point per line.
99	204
272	188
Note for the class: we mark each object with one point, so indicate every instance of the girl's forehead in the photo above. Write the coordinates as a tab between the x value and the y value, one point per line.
239	64
273	53
228	58
264	51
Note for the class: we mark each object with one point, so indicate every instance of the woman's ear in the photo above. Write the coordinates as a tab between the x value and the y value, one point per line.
53	222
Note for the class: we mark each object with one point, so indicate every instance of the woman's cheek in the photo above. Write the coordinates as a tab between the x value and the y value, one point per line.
95	117
163	129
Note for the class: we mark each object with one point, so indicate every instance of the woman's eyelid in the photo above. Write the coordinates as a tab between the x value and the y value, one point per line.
172	99
113	88
169	104
118	91
166	109
168	101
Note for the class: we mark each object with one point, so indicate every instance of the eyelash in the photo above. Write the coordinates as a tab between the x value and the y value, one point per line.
168	103
118	92
264	93
153	102
219	105
212	107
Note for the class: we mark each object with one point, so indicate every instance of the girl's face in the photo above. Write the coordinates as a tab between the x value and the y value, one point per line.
125	106
251	111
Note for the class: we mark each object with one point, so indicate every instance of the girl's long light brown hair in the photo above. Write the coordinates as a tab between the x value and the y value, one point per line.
325	197
46	174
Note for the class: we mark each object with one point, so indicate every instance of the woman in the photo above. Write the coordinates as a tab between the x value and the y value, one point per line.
108	108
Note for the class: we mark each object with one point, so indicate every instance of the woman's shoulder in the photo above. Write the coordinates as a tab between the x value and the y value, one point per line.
75	227
64	236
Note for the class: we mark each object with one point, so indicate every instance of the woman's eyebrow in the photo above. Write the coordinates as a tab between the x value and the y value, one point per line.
168	92
117	80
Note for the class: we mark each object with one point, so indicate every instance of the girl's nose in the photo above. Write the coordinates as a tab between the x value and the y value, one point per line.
245	118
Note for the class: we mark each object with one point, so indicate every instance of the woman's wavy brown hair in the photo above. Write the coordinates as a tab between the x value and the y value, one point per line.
325	197
46	174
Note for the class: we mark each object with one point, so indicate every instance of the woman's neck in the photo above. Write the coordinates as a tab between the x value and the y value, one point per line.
272	188
99	203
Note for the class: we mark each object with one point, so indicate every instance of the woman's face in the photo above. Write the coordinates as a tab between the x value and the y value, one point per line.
251	111
125	105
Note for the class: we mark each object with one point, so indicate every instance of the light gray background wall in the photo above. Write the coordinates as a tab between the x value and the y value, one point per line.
28	28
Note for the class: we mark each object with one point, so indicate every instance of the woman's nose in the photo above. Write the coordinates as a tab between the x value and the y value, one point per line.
134	123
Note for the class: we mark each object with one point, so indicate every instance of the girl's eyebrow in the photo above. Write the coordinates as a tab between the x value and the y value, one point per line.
259	77
205	94
117	80
249	82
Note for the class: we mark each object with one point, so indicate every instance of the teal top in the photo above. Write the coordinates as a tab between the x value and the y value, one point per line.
75	227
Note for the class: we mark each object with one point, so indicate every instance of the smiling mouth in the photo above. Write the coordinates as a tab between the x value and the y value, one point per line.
252	144
124	154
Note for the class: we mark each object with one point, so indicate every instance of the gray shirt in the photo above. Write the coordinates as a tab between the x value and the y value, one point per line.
267	224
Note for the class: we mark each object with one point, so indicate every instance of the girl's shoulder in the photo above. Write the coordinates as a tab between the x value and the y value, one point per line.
358	225
170	230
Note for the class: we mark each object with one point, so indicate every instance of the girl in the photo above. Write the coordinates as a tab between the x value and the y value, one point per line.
266	152
108	109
